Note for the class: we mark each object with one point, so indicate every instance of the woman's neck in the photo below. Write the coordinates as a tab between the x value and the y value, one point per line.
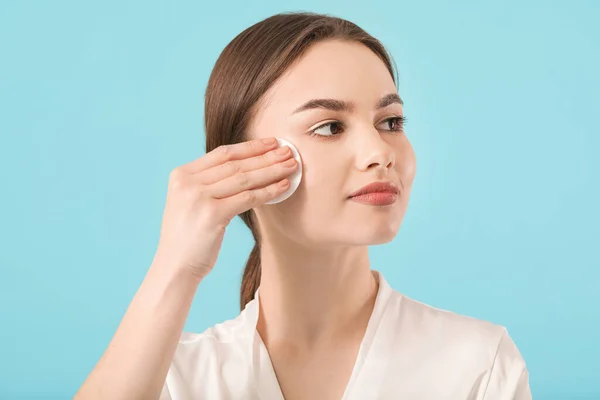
310	297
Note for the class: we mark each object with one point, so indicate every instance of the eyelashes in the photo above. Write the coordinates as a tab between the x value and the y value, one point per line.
398	121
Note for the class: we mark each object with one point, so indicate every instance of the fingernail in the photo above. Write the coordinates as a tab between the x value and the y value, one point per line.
269	141
290	163
282	150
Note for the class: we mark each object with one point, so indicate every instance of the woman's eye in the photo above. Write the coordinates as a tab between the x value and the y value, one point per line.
334	128
394	124
328	129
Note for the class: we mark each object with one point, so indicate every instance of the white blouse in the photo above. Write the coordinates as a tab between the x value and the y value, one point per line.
410	351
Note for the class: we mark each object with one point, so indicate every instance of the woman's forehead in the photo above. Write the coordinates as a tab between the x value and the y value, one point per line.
342	70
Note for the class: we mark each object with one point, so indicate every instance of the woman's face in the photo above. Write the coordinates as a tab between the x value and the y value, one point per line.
360	147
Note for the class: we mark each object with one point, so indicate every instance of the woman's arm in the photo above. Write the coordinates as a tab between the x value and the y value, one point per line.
136	362
202	199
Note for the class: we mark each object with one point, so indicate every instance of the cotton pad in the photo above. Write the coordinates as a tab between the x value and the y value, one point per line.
294	178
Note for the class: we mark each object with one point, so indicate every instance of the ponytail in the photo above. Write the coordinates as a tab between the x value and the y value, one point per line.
252	272
251	277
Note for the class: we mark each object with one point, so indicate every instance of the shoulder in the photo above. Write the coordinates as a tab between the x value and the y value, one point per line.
458	346
221	333
446	338
211	364
211	343
445	326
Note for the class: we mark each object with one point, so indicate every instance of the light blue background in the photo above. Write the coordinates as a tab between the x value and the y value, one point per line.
99	101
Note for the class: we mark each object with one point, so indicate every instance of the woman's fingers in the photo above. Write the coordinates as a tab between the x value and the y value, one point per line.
248	199
230	168
249	180
223	154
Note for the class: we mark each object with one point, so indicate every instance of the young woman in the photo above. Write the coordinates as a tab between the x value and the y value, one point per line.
323	324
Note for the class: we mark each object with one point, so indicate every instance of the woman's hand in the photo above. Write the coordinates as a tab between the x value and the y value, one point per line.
206	194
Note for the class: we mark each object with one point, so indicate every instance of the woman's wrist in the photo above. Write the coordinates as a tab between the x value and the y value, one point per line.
173	272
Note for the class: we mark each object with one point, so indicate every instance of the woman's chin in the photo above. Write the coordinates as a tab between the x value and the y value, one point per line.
370	234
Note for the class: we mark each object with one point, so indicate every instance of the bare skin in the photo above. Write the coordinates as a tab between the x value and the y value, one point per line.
317	290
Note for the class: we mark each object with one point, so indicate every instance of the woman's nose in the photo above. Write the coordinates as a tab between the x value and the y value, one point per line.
374	152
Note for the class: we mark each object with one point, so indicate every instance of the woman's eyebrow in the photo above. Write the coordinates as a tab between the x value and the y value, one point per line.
341	105
388	99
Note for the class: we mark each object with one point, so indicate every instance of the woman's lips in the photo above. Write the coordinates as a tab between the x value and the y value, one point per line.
376	198
377	194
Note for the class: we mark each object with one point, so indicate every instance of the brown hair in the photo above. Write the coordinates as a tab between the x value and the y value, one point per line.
246	69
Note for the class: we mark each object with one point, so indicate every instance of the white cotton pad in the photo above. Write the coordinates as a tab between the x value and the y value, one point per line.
295	178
